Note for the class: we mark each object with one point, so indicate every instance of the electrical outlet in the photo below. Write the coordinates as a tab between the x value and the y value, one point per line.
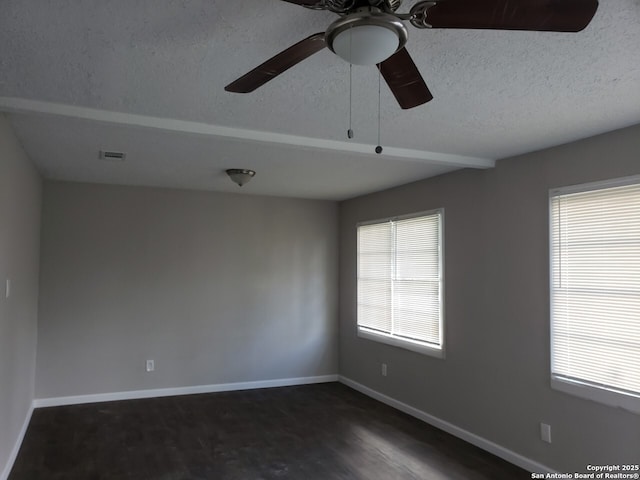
384	370
7	288
150	366
545	432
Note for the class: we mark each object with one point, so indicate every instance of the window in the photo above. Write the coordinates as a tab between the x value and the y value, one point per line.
400	282
595	291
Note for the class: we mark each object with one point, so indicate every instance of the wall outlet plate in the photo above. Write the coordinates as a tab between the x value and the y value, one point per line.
150	366
545	432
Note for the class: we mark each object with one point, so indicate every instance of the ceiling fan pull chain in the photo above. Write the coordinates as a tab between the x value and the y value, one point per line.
350	131
379	147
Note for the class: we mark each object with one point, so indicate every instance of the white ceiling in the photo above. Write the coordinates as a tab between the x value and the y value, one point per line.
147	77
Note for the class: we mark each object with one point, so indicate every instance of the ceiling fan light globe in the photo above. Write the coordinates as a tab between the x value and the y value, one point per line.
366	37
366	44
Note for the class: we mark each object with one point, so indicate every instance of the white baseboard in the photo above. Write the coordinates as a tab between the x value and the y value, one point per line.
169	392
483	443
16	447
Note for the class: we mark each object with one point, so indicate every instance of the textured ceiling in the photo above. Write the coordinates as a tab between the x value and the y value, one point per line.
497	94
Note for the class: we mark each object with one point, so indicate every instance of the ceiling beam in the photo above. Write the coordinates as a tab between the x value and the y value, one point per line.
26	106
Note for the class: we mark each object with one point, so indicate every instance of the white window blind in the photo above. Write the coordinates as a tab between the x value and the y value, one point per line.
400	280
595	290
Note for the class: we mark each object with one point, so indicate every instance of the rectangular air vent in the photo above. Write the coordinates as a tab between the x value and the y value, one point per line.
111	156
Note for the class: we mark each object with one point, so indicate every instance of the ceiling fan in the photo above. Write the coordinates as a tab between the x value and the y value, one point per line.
371	32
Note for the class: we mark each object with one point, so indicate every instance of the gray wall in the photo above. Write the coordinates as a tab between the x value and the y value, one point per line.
494	381
214	287
20	189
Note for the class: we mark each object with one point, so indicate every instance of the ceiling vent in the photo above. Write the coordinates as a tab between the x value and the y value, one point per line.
111	156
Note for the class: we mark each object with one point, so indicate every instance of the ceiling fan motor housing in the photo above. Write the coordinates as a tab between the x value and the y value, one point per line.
346	6
393	4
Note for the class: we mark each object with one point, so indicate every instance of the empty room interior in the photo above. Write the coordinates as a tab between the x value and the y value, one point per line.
319	239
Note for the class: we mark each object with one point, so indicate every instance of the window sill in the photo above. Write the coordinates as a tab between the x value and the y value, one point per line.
630	403
401	343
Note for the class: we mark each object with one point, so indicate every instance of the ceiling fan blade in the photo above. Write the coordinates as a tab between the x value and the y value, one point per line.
536	15
319	4
278	64
404	80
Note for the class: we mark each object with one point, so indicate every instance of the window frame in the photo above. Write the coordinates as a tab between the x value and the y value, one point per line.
393	340
604	394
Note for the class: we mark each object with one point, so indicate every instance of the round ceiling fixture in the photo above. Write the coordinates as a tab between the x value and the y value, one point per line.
366	37
240	175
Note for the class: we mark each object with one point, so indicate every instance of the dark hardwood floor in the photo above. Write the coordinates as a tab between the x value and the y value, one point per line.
324	432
